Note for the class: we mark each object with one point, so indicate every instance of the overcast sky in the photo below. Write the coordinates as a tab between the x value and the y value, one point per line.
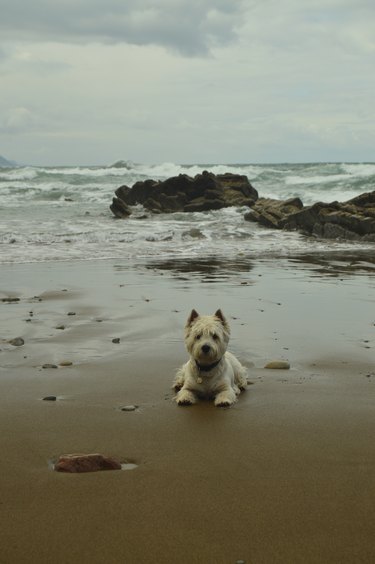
187	81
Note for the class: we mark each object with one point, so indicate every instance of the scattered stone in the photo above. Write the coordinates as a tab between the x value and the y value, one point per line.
49	366
50	398
66	363
278	365
62	327
71	313
194	233
17	342
116	340
10	300
75	463
129	408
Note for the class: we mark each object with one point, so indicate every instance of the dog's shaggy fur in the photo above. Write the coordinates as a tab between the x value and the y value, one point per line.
211	371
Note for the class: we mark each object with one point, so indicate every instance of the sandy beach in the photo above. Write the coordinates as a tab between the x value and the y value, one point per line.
284	476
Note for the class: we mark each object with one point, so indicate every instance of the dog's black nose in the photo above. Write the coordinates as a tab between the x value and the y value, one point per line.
206	348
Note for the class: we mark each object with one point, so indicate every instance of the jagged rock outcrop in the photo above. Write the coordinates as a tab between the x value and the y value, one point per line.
271	213
351	220
205	191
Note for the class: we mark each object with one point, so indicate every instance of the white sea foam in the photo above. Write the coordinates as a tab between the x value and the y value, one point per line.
358	169
314	180
26	173
62	213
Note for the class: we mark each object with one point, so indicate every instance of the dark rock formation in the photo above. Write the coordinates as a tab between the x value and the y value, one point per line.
205	191
271	213
86	463
119	208
351	220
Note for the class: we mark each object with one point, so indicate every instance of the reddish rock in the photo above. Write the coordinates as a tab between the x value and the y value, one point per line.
75	463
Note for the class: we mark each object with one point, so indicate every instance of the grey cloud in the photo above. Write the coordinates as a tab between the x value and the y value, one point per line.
187	26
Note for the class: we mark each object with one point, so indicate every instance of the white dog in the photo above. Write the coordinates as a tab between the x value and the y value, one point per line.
211	371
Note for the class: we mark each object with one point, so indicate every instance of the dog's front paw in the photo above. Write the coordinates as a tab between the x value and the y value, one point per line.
179	380
224	403
225	399
184	402
185	397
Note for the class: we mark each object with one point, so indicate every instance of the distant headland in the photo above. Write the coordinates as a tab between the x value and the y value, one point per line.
5	163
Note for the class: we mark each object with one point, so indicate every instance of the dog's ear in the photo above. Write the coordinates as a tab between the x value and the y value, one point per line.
219	315
192	317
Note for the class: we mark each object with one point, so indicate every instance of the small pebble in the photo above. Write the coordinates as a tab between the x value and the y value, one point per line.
129	408
50	398
62	327
49	366
278	365
10	300
116	340
17	342
71	313
66	363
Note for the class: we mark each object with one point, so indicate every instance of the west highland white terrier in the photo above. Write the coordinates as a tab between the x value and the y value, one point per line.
211	371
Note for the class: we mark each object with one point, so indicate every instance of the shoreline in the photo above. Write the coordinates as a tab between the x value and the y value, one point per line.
283	476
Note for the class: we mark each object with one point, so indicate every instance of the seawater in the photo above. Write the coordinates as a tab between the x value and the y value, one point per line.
62	213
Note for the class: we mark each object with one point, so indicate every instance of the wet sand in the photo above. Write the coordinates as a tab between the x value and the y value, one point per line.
285	476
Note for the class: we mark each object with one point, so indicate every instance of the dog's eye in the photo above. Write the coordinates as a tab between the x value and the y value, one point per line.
215	337
198	337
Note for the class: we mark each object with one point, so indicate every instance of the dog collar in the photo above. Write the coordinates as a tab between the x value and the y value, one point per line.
207	367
